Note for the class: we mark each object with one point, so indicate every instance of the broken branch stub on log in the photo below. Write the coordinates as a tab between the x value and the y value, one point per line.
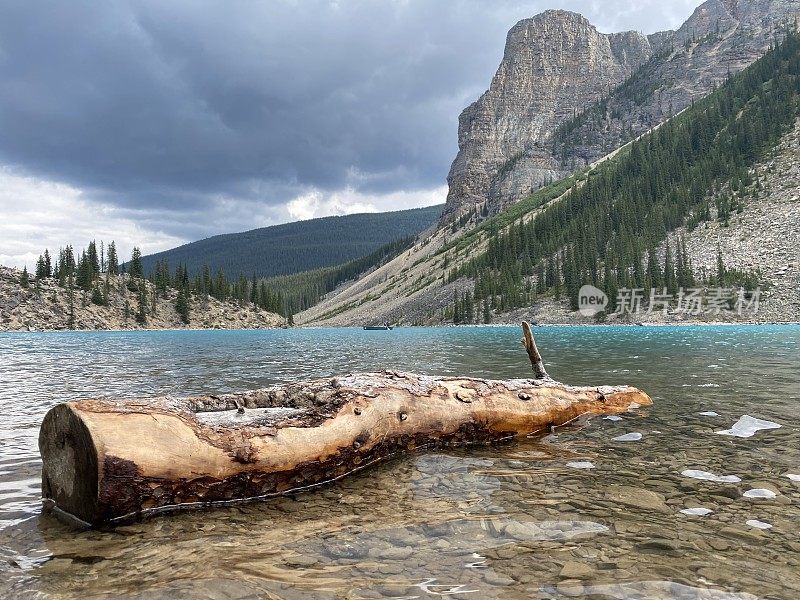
107	461
537	364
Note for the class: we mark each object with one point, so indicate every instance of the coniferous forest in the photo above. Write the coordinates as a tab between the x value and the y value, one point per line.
609	229
96	270
299	246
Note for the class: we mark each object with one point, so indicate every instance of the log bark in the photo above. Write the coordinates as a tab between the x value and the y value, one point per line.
107	461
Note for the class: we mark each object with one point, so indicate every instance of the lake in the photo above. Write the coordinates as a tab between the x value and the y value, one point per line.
578	513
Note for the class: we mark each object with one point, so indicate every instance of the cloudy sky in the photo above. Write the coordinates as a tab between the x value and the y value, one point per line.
156	123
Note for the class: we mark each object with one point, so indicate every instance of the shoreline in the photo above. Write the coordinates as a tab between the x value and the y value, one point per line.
449	326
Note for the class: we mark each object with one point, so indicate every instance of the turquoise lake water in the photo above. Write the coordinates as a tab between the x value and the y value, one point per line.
579	512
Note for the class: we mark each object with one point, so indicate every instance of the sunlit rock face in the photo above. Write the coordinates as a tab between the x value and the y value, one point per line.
557	65
554	65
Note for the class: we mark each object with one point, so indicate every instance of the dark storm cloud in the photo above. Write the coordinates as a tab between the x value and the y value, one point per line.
172	105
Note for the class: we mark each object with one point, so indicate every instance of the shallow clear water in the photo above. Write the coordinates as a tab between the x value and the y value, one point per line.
573	514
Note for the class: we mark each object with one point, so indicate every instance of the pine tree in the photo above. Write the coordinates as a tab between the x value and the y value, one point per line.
48	268
71	302
40	272
670	280
24	280
254	290
610	286
112	260
182	304
206	282
107	290
653	276
136	269
141	312
91	254
541	278
97	296
85	273
469	308
66	263
686	266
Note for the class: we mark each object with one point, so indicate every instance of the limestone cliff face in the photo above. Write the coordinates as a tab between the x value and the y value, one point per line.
565	94
554	65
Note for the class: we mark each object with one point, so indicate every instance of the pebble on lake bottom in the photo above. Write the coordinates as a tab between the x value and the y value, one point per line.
628	437
758	524
697	512
581	464
748	426
759	493
707	476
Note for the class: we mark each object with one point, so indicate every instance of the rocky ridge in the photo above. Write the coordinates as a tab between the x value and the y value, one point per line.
46	307
554	65
565	94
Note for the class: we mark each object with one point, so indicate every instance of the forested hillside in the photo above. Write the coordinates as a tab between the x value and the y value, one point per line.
607	231
300	291
299	246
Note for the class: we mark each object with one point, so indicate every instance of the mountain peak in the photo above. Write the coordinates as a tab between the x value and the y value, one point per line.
552	20
554	65
557	65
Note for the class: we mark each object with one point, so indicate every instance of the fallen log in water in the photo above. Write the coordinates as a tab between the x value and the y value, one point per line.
105	461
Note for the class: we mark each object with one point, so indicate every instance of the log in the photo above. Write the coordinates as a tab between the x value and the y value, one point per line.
111	461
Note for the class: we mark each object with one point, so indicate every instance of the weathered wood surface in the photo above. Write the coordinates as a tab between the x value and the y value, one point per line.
105	461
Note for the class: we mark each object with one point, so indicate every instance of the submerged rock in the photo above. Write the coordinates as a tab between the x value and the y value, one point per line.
637	498
628	437
748	426
708	476
576	570
697	512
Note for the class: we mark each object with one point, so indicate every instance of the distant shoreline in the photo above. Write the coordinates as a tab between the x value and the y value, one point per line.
475	326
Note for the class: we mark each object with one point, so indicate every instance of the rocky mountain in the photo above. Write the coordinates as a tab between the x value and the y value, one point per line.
765	237
721	179
47	306
565	94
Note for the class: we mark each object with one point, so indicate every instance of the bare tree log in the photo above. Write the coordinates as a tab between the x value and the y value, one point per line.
533	352
107	461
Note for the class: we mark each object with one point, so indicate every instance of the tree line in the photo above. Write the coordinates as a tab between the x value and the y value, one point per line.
97	270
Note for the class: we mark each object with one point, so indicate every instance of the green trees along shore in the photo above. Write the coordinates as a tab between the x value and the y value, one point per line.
98	268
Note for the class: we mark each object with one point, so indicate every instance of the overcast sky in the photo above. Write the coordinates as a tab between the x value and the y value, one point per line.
156	123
